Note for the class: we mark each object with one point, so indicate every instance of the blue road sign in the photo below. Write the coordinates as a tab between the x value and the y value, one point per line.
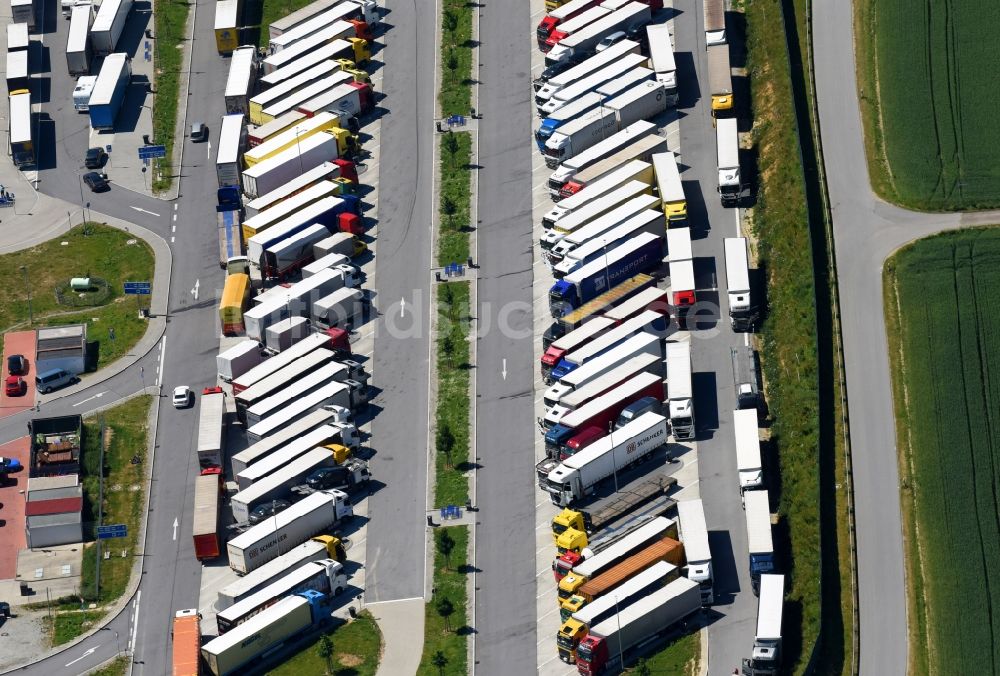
152	152
117	530
108	148
137	288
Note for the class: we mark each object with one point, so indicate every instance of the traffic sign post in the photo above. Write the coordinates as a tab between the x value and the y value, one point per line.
137	288
152	152
117	530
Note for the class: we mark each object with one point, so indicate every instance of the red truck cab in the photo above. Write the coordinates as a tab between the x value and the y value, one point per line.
591	655
361	29
563	565
364	95
347	170
569	189
351	223
585	438
553	39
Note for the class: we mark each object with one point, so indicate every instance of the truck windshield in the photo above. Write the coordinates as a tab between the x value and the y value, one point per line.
583	652
564	640
558	528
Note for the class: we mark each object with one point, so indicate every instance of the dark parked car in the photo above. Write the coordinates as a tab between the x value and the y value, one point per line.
199	132
327	477
96	182
95	158
17	365
268	510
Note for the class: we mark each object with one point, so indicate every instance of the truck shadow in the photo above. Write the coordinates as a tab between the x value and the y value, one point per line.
705	388
727	580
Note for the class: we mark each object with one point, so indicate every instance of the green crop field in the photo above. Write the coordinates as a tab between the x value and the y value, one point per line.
927	79
942	300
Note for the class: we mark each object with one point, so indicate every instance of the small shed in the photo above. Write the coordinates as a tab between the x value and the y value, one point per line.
62	347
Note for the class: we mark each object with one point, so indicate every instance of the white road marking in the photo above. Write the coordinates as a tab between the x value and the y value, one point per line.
175	529
208	155
145	211
159	369
96	396
135	620
402	307
173	228
194	291
171	240
503	371
175	206
175	217
85	654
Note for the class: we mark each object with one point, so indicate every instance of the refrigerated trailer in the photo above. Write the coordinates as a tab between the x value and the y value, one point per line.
108	26
636	170
765	659
588	66
294	99
591	82
232	133
305	384
694	535
669	187
741	311
756	506
277	362
279	483
326	435
679	393
637	141
728	159
22	147
365	10
241	80
78	40
661	58
332	394
646	221
748	465
278	170
584	41
281	438
289	86
211	429
338	170
109	90
597	216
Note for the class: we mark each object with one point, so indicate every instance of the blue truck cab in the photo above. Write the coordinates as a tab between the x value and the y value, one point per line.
556	438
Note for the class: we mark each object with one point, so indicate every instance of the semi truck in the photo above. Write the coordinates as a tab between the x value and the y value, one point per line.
715	22
338	309
642	254
590	83
558	245
287	207
741	313
694	535
326	576
227	224
327	436
78	40
682	286
291	85
637	141
559	15
602	303
576	625
300	387
348	99
598	215
325	396
636	170
296	98
661	58
353	48
564	114
354	28
22	147
286	256
288	435
227	25
186	636
323	339
366	10
669	187
765	659
316	549
241	80
606	645
577	476
332	50
237	360
108	26
205	529
322	212
109	89
647	221
323	122
745	377
275	171
584	41
288	619
571	26
648	321
289	374
339	169
756	507
282	335
211	428
720	80
640	344
728	158
572	340
679	395
582	70
748	465
227	159
289	528
17	37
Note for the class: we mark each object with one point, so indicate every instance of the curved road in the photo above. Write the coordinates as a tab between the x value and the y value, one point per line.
866	231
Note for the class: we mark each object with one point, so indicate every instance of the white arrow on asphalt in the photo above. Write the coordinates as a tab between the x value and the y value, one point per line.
194	291
89	652
402	307
208	155
96	396
144	211
503	372
175	528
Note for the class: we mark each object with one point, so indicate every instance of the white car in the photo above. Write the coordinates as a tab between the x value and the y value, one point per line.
183	396
610	40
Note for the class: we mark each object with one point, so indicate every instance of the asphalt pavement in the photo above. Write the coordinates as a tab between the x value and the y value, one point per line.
866	231
505	487
397	528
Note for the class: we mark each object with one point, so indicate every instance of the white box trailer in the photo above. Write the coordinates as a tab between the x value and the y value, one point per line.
694	535
268	174
366	10
643	536
338	308
756	507
339	243
679	245
300	96
238	359
679	395
310	28
17	37
211	429
23	11
335	35
303	293
648	221
282	379
748	465
282	335
108	26
278	484
585	40
636	170
299	388
728	159
637	141
642	101
282	457
241	80
232	133
317	212
289	206
344	99
274	364
331	50
78	40
294	251
326	170
584	69
598	232
270	539
331	394
289	434
669	186
17	70
290	86
766	656
311	550
600	214
640	344
646	363
591	82
258	318
738	284
661	57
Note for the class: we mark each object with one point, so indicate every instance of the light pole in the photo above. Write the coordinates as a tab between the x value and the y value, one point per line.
611	439
621	660
298	148
117	641
27	288
83	202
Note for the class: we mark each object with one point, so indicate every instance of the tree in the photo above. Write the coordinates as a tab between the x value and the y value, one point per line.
440	661
448	207
446	442
445	545
451	60
449	21
445	608
325	650
450	143
642	668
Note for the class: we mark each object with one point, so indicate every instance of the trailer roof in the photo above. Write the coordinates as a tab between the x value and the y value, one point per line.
288	154
582	19
615	255
17	35
275	196
619	234
210	421
327	98
626	370
634	93
581	415
17	65
640	425
602	362
327	51
661	48
206	504
604	211
79	27
272	569
668	176
230	139
331	33
569	8
604	184
595	62
299	388
758	517
598	77
286	138
106	14
310	91
644	297
312	26
241	67
302	14
286	435
644	606
582	333
295	449
288	225
619	85
300	366
294	467
272	364
107	78
770	606
679	370
694	530
653	530
282	519
299	80
737	272
255	624
226	14
605	24
679	244
727	140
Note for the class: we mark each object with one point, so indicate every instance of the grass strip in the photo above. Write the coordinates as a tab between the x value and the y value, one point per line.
118	667
680	658
42	273
454	208
455	96
171	33
444	635
357	647
451	419
788	255
67	626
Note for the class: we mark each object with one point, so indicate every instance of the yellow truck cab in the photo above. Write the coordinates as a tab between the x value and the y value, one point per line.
362	53
567	518
340	453
571	540
334	547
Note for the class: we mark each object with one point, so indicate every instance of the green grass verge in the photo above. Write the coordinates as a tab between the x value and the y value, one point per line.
680	658
944	337
171	33
455	95
788	337
91	250
124	493
454	210
451	457
357	647
448	636
117	668
67	626
926	78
